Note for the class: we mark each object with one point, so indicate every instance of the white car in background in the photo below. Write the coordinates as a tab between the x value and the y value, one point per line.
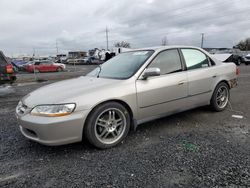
246	59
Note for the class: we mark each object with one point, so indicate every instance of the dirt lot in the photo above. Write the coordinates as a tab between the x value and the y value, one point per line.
197	148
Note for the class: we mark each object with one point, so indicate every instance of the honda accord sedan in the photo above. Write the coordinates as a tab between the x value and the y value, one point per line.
132	88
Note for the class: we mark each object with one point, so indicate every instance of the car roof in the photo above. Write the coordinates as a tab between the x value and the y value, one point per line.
160	48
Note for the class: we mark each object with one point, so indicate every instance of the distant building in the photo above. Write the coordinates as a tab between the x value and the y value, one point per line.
214	50
77	54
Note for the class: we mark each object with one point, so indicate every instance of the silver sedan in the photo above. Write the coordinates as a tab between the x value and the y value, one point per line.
129	89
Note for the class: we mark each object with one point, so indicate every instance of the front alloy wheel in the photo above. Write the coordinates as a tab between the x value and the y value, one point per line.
107	125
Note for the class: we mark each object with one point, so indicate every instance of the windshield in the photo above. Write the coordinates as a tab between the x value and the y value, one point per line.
122	66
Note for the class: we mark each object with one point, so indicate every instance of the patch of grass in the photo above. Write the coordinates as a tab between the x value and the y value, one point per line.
189	146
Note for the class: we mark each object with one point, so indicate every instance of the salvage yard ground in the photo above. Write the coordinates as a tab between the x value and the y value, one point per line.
197	148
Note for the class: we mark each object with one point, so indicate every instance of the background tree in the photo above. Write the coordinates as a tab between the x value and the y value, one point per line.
122	44
243	45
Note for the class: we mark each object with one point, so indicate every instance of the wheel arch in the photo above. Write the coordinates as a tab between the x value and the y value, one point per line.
132	124
224	81
212	97
221	81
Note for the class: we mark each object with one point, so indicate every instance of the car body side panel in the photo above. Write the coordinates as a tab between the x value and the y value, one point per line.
155	94
124	92
200	80
225	73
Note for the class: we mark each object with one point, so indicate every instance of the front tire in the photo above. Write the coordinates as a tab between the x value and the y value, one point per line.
107	125
220	97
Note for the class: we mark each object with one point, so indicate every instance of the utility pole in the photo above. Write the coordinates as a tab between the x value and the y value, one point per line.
202	39
34	52
107	38
164	41
56	48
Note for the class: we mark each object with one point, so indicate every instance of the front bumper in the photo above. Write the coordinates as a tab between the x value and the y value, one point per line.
53	130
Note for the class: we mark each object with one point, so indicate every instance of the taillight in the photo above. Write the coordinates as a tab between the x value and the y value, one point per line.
237	70
9	69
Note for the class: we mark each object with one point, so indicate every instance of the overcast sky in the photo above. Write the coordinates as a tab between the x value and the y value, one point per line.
36	25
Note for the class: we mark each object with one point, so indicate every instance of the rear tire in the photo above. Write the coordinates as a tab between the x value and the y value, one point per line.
107	125
220	97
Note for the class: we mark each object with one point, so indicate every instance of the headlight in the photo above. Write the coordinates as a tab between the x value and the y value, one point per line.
53	110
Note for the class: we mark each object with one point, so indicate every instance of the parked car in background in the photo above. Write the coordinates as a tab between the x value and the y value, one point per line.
19	64
227	57
7	74
90	60
61	58
72	61
131	88
85	60
246	59
44	66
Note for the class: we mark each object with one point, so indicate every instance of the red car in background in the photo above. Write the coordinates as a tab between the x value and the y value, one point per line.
44	66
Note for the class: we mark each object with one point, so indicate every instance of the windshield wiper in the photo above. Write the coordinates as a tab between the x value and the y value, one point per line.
100	70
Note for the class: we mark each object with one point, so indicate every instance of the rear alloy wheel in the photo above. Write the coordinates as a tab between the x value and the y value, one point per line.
220	97
107	125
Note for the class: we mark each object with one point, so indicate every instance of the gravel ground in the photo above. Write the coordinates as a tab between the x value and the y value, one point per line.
197	148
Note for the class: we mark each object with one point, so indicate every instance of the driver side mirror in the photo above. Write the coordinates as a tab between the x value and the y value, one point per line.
149	72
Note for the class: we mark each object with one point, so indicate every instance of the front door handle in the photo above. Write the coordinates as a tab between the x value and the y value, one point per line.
214	76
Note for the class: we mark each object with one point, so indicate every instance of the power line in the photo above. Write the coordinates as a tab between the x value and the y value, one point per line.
107	38
180	10
180	32
56	48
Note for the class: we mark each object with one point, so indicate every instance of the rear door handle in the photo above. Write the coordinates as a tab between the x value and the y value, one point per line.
214	76
181	82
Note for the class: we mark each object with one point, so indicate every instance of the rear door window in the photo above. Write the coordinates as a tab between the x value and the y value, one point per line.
195	59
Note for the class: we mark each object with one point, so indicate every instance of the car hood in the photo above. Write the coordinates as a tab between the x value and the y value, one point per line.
66	91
